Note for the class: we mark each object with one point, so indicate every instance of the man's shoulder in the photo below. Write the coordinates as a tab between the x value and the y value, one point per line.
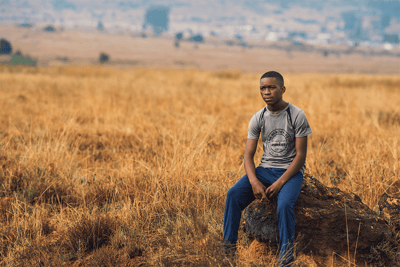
259	113
294	109
257	118
261	110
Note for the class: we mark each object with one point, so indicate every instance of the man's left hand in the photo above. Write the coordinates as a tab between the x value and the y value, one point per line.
273	190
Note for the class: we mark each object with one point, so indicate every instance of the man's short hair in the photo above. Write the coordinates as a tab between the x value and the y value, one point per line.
273	74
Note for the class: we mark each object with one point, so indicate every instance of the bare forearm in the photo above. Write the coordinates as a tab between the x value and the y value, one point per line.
293	168
250	169
249	165
257	187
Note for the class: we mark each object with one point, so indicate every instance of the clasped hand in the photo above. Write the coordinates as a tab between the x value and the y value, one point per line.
261	192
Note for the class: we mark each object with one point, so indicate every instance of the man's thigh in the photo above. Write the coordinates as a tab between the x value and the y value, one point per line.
291	190
268	176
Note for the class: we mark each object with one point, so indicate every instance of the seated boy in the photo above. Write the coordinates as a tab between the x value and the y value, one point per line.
284	129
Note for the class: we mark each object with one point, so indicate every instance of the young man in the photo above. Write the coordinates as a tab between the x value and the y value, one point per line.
284	129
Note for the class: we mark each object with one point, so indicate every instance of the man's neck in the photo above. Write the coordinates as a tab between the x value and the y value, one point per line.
277	107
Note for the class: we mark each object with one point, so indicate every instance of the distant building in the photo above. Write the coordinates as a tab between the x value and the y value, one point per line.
100	26
196	38
26	25
49	29
158	18
391	38
276	36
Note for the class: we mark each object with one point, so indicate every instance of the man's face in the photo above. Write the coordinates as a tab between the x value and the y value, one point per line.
271	90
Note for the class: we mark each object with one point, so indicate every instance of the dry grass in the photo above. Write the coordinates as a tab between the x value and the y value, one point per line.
129	167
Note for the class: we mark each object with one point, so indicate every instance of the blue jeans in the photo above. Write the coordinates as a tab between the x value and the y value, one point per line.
240	195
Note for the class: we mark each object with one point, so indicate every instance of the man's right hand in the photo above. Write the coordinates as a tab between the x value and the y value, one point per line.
259	190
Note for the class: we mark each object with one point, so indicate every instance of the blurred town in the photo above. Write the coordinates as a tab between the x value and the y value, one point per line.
367	23
292	34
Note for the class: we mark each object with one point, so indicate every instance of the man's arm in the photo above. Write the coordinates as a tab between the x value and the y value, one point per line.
249	166
294	167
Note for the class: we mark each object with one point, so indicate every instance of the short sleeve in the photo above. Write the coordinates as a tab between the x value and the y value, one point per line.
254	128
301	125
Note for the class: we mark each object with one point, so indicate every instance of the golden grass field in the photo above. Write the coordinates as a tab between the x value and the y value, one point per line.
106	166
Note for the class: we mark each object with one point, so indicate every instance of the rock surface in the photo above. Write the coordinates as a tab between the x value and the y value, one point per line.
328	221
390	209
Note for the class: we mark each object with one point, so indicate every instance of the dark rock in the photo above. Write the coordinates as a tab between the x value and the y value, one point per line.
390	209
328	221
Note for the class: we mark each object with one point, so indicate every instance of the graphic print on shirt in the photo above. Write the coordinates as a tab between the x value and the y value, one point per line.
278	142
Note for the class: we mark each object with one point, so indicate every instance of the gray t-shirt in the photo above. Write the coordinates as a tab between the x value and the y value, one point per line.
278	132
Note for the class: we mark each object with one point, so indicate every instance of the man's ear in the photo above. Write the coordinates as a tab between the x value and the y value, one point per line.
283	89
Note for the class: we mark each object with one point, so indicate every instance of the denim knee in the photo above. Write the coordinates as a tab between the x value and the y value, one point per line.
231	194
283	208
